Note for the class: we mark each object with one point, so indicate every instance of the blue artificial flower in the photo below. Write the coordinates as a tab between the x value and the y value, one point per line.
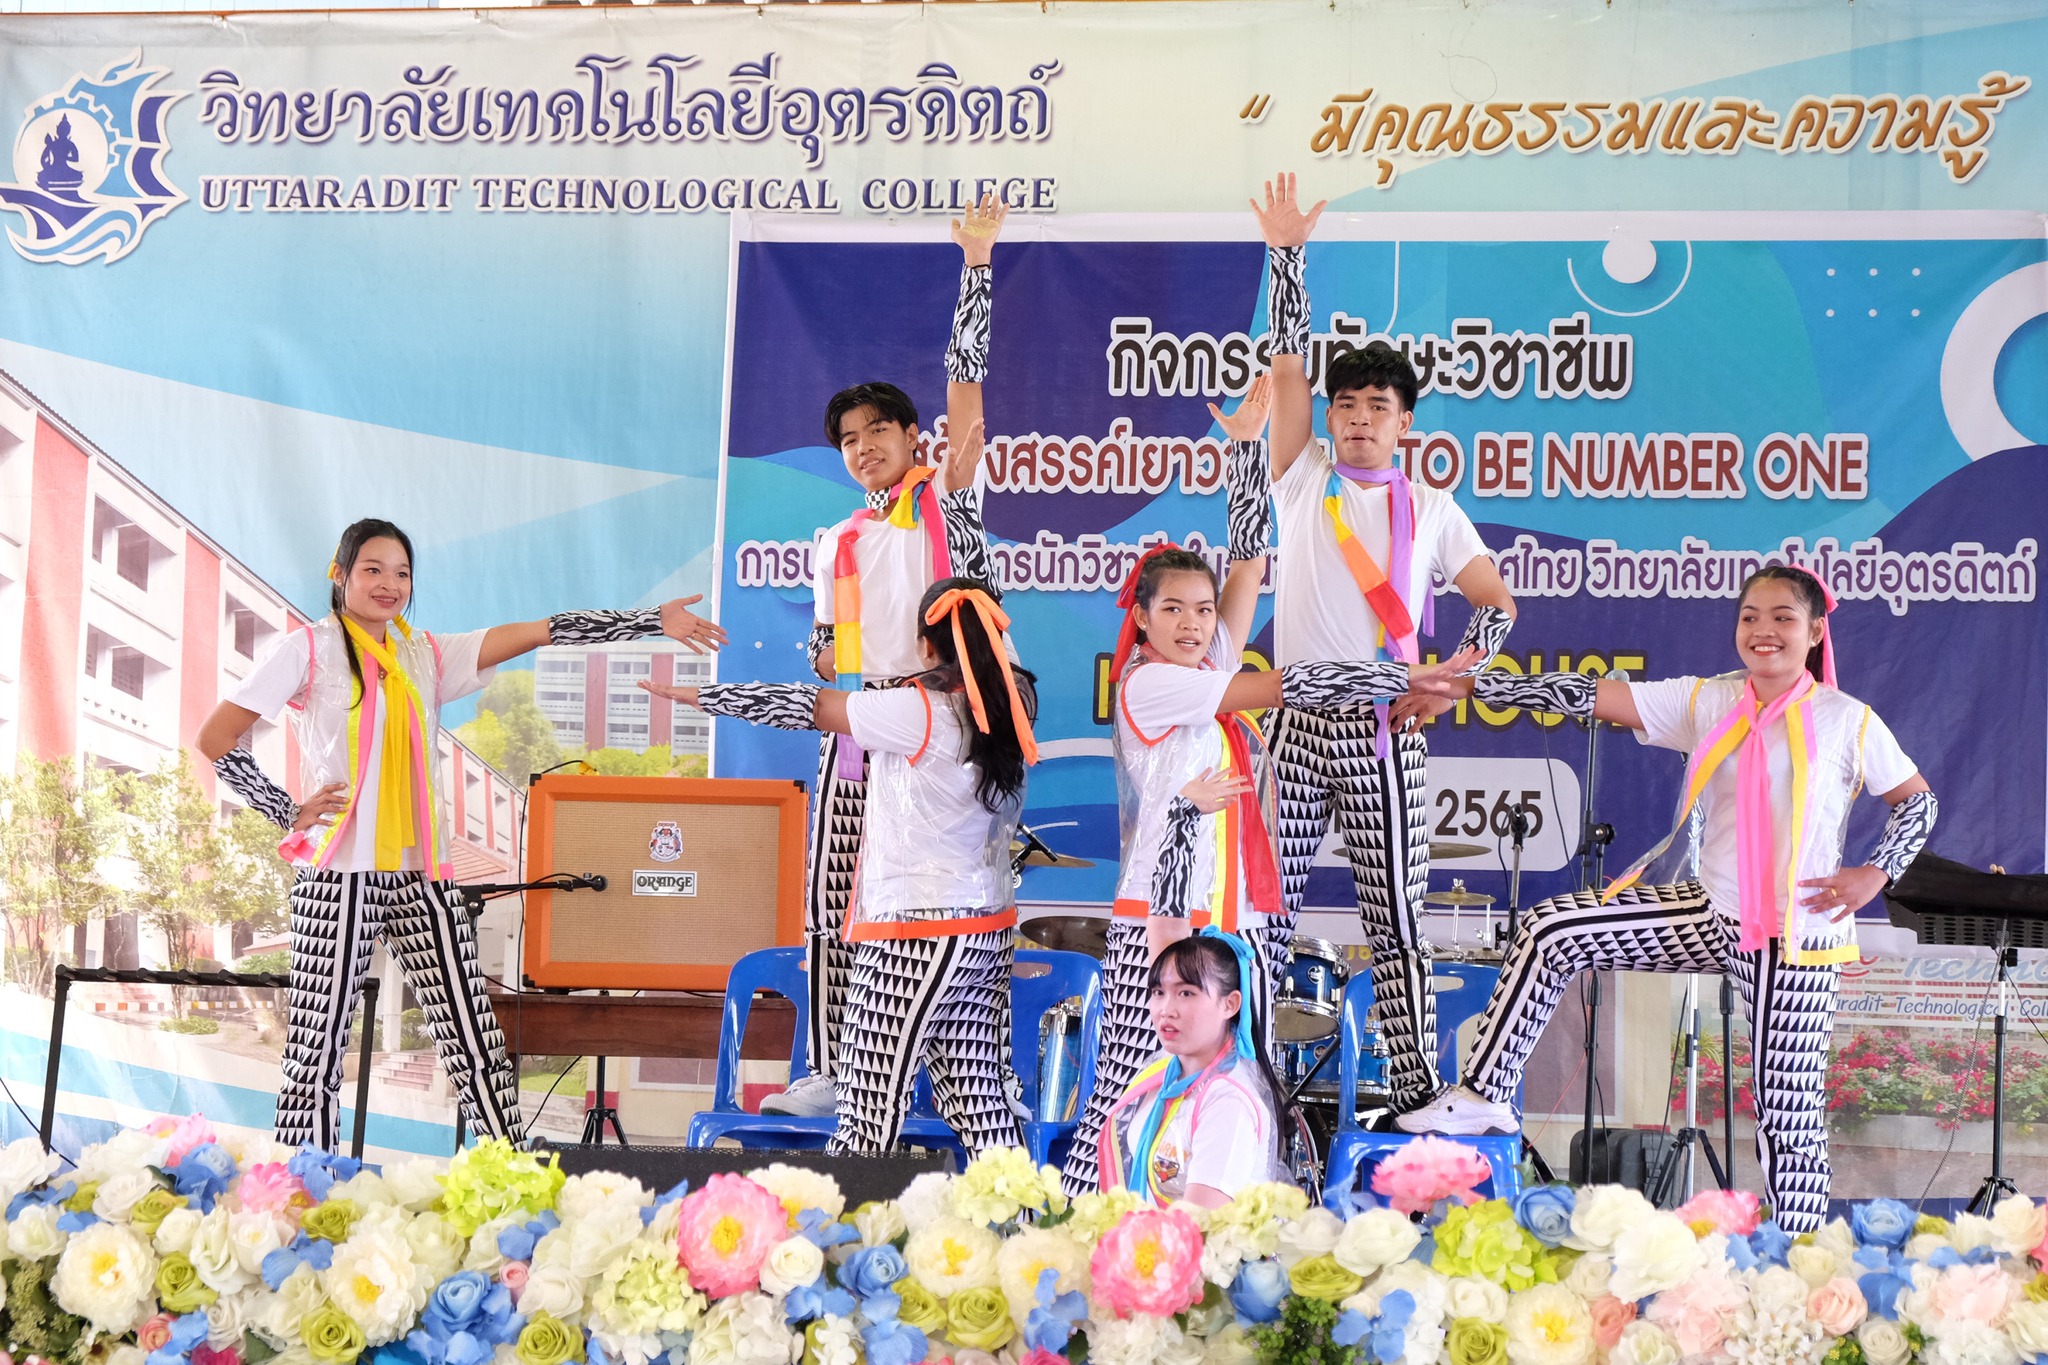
1258	1291
1770	1243
822	1232
278	1267
516	1244
203	1174
319	1253
76	1222
48	1194
1882	1222
1050	1324
1390	1328
497	1323
455	1303
318	1170
815	1300
892	1341
1740	1253
595	1352
1546	1211
397	1353
187	1331
872	1270
1881	1290
1351	1328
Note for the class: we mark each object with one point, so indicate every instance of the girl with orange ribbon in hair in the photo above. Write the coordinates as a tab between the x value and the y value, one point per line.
1778	757
919	523
933	917
366	691
1193	789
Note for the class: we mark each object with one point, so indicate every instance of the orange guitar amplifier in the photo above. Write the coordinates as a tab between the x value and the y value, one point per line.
698	872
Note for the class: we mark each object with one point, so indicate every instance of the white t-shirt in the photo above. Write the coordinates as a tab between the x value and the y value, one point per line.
927	842
282	676
1318	611
1851	740
895	570
1166	733
1224	1137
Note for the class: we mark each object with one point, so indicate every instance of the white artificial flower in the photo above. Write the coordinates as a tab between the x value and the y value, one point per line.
1549	1325
599	1238
1375	1239
628	1348
278	1315
118	1194
1963	1342
587	1195
1654	1255
1813	1263
1231	1346
373	1280
555	1290
1602	1213
1837	1236
33	1235
1921	1245
2026	1323
415	1184
1315	1233
1777	1289
252	1236
664	1228
2018	1225
126	1353
1125	1341
365	1189
1590	1275
1022	1259
800	1188
879	1222
177	1230
950	1254
1430	1290
791	1264
1644	1343
484	1255
928	1197
213	1254
759	1334
23	1166
437	1248
128	1150
1884	1342
106	1275
837	1344
1970	1231
227	1320
1475	1296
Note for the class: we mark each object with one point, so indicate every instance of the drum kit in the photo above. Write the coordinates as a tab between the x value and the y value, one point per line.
1307	1011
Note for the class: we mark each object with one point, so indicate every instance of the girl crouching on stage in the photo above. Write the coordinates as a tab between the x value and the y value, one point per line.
1778	757
366	692
1200	853
1204	1121
933	912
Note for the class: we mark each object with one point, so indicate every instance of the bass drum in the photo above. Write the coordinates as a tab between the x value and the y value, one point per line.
1312	998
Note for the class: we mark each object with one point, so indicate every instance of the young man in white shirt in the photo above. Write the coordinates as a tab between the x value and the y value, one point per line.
918	526
1359	550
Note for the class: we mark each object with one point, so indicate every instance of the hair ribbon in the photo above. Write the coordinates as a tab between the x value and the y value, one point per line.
994	621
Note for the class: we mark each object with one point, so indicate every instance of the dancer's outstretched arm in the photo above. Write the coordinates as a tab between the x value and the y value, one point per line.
1248	508
967	355
1286	229
673	619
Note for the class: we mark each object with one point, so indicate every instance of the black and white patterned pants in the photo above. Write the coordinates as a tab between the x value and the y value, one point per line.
838	810
336	920
1126	1044
1672	928
939	1002
1328	770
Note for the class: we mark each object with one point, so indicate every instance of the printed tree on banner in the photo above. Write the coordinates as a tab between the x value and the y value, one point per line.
192	871
509	731
56	827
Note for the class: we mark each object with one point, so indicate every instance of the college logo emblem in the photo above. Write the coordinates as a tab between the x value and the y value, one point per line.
665	845
88	172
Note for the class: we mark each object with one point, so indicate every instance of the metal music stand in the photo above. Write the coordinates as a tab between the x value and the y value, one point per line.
1947	902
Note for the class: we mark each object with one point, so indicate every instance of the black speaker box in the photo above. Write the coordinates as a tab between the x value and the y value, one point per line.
1624	1156
860	1178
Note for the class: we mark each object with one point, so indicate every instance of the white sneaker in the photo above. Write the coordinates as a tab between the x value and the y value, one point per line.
1460	1112
810	1097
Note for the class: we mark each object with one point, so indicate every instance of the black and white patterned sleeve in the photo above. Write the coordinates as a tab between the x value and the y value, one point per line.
818	648
1248	503
786	706
967	538
1287	301
1555	694
237	768
967	353
1486	632
1174	875
1324	683
603	627
1905	834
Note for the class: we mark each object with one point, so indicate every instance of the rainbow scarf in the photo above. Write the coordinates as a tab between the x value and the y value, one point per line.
1169	1088
405	782
1741	733
918	492
1383	588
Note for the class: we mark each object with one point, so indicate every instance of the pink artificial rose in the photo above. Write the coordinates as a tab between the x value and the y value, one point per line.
1695	1313
1610	1315
202	1354
1429	1169
726	1230
513	1275
154	1333
1973	1293
1150	1262
270	1187
1038	1355
186	1133
1838	1306
1734	1212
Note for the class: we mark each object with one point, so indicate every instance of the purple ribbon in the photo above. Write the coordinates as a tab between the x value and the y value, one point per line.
1401	534
852	760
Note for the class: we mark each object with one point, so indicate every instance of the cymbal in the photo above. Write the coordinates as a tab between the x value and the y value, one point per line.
1445	848
1044	857
1087	934
1457	896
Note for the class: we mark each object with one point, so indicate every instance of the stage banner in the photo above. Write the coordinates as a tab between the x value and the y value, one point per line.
1637	410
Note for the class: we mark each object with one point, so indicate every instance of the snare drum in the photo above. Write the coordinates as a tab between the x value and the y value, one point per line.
1312	997
1059	1063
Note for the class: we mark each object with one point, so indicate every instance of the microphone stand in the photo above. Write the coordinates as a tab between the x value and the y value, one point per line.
1518	830
476	893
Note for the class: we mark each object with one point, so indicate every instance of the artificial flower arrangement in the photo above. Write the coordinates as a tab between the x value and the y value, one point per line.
174	1245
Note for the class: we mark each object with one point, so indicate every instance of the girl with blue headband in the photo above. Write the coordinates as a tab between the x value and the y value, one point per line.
1204	1121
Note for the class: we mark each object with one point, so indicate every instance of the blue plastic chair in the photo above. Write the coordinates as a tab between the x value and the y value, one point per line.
1353	1150
1457	1004
780	971
1031	998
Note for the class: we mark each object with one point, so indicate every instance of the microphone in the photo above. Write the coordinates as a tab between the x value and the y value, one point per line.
1619	675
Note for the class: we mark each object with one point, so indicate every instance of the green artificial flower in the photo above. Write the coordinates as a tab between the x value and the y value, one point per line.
979	1319
81	1199
332	1336
920	1308
493	1179
1845	1351
1321	1277
36	1325
1485	1240
178	1286
331	1221
2037	1289
1927	1222
1475	1341
151	1210
547	1340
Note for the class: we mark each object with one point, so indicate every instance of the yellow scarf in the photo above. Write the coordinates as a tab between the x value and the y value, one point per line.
399	799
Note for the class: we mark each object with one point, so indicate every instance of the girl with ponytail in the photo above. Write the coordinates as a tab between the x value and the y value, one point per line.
366	690
933	917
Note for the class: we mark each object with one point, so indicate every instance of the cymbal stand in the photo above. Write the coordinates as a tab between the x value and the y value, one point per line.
1691	1135
1518	830
1998	1184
